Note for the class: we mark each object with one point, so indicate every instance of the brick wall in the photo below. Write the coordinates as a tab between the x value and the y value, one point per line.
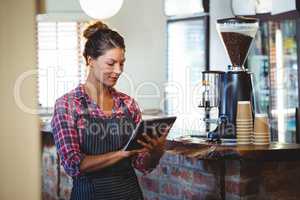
178	177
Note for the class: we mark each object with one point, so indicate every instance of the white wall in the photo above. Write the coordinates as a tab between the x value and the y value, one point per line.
20	157
218	57
143	25
61	6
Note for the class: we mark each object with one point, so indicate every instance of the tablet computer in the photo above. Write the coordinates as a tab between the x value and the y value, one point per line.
150	127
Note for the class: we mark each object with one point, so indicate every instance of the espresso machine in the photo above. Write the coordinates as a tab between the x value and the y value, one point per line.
223	89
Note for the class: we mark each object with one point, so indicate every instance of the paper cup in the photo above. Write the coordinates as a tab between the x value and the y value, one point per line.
244	120
244	128
243	143
241	137
244	125
261	139
260	134
261	143
245	134
250	129
244	111
261	124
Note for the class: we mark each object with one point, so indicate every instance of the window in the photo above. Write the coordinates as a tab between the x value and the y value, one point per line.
60	61
187	50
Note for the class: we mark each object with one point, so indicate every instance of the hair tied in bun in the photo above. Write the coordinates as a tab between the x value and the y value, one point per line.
99	39
95	27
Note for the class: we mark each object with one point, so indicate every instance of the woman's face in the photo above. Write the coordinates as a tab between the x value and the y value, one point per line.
107	68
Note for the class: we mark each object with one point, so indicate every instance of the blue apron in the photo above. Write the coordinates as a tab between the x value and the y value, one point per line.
116	182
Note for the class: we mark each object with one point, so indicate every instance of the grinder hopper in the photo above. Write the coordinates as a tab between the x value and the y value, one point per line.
237	35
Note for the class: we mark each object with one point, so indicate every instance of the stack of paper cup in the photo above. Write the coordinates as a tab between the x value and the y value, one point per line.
261	130
244	123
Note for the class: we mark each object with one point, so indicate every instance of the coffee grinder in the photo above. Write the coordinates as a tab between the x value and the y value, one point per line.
235	84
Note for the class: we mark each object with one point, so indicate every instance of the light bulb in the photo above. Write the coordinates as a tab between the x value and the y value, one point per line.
101	9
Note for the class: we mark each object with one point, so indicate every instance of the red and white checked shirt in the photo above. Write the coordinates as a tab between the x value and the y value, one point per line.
67	118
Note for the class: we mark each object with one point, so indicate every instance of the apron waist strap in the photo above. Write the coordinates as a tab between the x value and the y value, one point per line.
120	168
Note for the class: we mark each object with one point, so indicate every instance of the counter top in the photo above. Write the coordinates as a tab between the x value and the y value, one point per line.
272	152
206	151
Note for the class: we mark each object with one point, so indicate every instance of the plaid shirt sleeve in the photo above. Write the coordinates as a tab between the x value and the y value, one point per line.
66	136
139	162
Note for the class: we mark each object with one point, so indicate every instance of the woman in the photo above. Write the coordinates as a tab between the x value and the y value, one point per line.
89	126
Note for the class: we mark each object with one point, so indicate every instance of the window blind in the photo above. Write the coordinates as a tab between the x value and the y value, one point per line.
60	61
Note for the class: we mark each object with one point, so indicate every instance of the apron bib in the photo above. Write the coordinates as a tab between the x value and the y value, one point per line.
116	182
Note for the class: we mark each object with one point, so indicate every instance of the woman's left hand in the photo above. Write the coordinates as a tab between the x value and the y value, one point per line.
155	145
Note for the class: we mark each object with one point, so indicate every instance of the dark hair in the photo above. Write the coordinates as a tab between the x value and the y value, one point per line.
100	38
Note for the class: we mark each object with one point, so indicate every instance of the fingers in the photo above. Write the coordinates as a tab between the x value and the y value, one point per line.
134	152
146	145
149	139
143	150
155	142
155	135
165	133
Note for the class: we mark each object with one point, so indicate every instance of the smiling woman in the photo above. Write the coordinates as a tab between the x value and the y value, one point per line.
82	126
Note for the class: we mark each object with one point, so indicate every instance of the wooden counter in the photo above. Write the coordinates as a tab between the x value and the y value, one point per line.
272	152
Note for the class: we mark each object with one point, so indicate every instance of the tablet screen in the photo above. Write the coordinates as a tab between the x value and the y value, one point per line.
150	127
